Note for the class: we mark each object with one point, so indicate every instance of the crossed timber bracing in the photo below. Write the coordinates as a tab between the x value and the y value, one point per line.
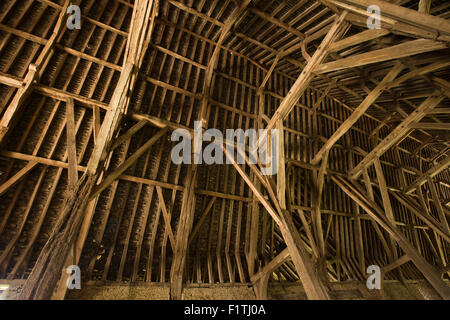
86	118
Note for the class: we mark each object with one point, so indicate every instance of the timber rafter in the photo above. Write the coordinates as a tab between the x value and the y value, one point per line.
86	118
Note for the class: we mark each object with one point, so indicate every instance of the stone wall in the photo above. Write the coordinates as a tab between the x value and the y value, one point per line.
219	293
156	291
118	291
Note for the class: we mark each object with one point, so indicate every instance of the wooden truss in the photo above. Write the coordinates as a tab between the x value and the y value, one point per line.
348	102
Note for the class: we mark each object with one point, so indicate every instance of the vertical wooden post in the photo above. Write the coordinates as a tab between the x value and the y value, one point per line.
71	144
281	173
47	271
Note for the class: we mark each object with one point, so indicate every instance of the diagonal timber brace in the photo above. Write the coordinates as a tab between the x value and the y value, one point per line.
188	203
376	213
47	270
35	70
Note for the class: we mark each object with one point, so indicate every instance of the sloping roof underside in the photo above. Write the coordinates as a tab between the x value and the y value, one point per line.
128	239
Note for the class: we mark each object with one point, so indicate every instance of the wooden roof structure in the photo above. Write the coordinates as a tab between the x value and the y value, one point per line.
86	116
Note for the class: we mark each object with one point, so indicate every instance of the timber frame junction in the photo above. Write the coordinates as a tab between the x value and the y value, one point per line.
86	116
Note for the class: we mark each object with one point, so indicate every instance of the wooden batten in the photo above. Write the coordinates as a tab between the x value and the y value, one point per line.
91	119
55	251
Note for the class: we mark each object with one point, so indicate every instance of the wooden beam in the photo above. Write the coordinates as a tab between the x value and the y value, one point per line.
97	123
308	272
47	270
35	70
300	210
260	287
307	75
17	177
358	112
318	183
399	21
358	38
255	210
260	280
440	111
200	222
397	263
127	135
167	217
20	262
438	205
419	72
430	126
384	191
271	266
416	209
398	133
150	182
281	173
111	120
10	115
182	238
269	73
386	201
379	232
10	80
188	204
190	10
212	64
252	186
139	37
433	171
312	282
254	231
402	50
277	22
376	213
75	253
424	6
410	16
128	163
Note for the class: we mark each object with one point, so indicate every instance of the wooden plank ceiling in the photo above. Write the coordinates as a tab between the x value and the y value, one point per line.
87	115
